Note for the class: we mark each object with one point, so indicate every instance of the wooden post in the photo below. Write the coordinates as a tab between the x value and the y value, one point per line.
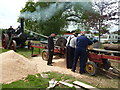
32	48
39	51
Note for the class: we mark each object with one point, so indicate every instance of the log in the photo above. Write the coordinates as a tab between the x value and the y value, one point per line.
115	47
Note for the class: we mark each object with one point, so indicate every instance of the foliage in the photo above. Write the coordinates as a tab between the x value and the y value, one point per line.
81	13
108	13
2	31
54	24
85	17
117	32
88	18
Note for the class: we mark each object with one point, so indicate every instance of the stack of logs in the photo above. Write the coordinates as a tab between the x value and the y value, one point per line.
115	47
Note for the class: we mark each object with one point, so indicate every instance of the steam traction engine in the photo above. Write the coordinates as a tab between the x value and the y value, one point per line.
14	38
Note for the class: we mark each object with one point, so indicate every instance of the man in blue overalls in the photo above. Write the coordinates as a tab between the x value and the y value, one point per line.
80	51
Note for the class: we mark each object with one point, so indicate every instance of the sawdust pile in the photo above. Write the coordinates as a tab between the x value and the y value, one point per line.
15	67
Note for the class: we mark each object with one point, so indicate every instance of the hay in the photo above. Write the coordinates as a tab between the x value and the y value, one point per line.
15	67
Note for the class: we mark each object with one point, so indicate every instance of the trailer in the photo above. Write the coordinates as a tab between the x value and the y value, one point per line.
59	48
100	58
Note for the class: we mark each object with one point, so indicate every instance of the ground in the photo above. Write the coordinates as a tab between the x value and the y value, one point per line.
100	80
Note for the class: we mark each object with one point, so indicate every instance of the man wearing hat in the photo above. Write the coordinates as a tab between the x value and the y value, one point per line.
80	51
70	47
51	48
10	31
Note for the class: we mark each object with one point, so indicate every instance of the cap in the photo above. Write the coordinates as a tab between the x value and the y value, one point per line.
54	33
82	32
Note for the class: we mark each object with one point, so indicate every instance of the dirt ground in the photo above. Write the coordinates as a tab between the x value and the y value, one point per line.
102	79
15	67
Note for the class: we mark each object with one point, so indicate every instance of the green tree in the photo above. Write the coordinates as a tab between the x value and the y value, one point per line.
54	24
108	11
39	19
85	17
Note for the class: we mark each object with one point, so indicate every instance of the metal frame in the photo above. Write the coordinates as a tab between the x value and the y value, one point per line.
97	57
57	49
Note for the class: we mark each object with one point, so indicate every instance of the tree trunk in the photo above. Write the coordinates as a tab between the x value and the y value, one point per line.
115	47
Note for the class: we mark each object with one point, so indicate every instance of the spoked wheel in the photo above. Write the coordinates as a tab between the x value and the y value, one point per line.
45	54
91	68
13	45
5	39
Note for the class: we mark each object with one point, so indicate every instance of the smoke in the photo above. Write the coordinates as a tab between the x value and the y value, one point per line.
84	5
45	14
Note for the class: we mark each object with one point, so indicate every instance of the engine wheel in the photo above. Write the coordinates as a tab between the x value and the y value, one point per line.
61	42
45	55
91	68
13	45
5	39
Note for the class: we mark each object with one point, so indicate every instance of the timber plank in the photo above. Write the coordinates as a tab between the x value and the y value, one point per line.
81	84
69	85
103	50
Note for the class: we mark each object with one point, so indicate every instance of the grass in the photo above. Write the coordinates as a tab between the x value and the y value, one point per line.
3	50
27	53
36	81
23	51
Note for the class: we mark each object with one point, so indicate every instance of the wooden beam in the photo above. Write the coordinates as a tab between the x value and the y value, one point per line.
69	85
81	84
106	51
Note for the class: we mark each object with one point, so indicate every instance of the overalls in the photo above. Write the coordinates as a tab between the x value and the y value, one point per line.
80	51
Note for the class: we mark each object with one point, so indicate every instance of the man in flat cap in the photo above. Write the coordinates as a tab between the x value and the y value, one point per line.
51	48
